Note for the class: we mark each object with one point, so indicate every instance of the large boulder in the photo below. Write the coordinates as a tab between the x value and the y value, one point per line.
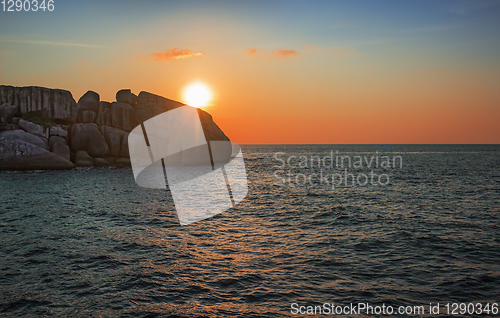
101	162
89	96
86	116
58	131
56	140
21	135
126	96
149	105
123	116
20	155
34	129
61	149
82	159
104	114
88	106
117	140
88	138
7	112
57	103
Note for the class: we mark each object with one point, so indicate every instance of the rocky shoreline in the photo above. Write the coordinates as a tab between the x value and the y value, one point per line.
46	129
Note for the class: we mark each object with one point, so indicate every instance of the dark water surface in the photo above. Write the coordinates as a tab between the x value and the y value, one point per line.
91	243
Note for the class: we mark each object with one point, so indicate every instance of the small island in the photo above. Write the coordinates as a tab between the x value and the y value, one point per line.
46	129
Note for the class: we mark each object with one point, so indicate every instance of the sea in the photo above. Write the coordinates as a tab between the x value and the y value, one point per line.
402	227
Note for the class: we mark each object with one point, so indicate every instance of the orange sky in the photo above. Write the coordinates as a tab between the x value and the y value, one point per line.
325	74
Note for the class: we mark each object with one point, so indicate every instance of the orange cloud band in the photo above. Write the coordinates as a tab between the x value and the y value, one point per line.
175	54
284	53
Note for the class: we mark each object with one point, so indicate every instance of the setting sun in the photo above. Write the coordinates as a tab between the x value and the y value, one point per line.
197	95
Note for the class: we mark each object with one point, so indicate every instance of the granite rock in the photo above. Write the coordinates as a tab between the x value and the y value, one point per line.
21	155
86	116
34	129
21	135
57	140
89	96
88	138
7	112
101	162
123	116
116	139
149	105
126	96
58	104
61	149
82	159
104	114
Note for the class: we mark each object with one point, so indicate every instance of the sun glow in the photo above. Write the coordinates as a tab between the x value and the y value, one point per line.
197	95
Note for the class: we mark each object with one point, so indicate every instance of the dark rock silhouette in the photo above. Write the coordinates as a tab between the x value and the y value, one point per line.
90	96
91	132
149	105
126	96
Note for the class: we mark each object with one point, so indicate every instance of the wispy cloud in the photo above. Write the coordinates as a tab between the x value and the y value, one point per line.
281	53
36	42
307	49
175	54
285	53
251	51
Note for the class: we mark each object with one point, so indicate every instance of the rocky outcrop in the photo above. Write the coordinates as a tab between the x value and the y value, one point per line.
97	131
123	116
59	146
58	131
7	112
82	159
149	105
104	114
21	135
57	140
101	162
90	96
126	96
86	116
59	104
34	129
20	155
116	139
87	137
